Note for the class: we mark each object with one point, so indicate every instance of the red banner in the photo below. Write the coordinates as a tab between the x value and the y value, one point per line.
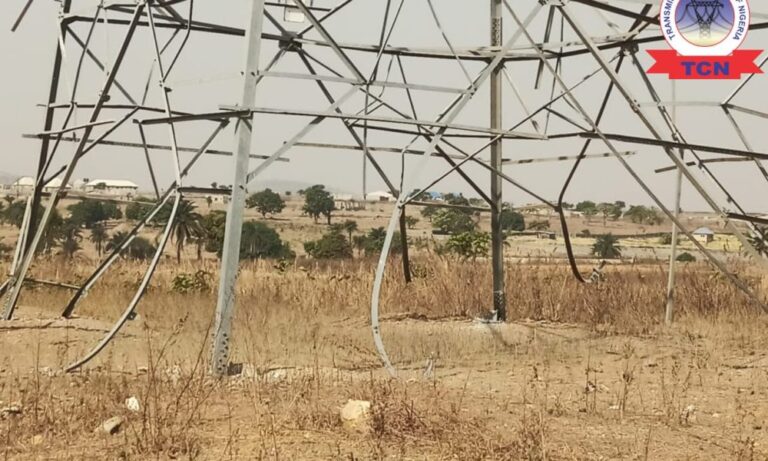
705	67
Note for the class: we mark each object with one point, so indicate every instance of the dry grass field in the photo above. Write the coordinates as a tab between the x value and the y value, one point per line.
579	373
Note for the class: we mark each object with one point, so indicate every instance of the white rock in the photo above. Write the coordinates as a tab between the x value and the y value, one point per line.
276	376
355	414
688	415
110	426
10	410
132	403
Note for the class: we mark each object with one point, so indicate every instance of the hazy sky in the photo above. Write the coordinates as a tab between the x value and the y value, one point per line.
206	77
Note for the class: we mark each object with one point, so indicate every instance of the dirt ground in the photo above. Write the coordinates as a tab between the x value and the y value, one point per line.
579	373
525	390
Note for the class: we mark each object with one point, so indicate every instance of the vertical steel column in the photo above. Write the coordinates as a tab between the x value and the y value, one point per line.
497	238
230	260
670	310
50	114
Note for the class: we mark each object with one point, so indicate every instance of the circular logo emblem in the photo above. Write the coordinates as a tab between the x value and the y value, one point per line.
705	27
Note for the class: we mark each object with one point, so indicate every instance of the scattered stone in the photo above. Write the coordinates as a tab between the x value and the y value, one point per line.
688	414
355	414
276	376
111	426
173	374
132	403
10	410
37	440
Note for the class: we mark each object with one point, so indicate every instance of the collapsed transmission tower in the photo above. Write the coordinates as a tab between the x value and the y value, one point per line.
367	91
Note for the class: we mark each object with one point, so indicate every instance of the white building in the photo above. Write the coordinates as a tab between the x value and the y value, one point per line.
22	186
704	235
379	196
26	184
113	187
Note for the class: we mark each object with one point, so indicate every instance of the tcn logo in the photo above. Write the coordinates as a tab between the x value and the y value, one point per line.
705	36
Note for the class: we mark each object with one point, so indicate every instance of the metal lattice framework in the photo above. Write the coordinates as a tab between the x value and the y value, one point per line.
369	91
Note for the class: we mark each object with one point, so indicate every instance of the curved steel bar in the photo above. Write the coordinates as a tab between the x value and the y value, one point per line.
128	312
560	200
376	293
102	268
447	116
717	263
140	225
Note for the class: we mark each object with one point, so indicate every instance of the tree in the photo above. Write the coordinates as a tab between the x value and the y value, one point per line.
607	247
451	221
186	226
332	245
511	220
539	225
456	199
53	231
349	226
213	226
98	237
14	214
686	258
260	241
140	248
318	202
585	205
373	242
411	221
208	201
759	240
640	214
70	237
587	208
610	210
266	202
89	212
137	209
429	212
469	245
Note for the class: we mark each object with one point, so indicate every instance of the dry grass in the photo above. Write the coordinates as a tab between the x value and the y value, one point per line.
581	373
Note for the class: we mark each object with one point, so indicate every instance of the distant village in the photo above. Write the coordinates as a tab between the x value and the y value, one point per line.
115	188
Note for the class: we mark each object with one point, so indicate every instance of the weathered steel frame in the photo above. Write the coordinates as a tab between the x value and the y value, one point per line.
156	14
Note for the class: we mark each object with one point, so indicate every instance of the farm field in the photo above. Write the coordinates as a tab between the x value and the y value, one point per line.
578	373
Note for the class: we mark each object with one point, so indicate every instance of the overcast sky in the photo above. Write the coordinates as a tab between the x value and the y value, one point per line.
206	77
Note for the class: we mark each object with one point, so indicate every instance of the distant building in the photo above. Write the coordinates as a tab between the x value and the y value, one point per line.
704	235
26	185
538	209
546	235
347	202
23	186
112	187
379	196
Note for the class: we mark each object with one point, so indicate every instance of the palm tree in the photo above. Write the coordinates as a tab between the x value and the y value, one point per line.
140	247
99	235
349	226
759	240
187	226
607	247
70	237
116	240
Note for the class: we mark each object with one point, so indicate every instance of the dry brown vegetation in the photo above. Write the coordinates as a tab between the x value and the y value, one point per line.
580	372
